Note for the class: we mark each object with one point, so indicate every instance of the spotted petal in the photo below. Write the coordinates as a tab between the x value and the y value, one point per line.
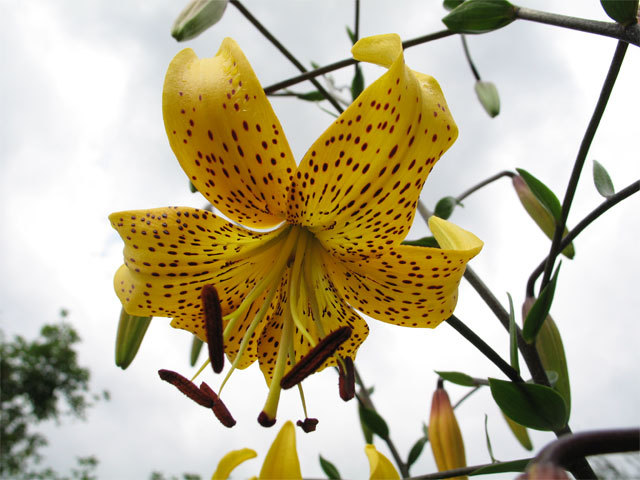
357	187
406	285
226	136
170	253
282	459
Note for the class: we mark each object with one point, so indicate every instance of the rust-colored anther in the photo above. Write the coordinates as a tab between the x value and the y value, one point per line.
316	357
220	410
346	379
187	387
213	326
308	425
265	421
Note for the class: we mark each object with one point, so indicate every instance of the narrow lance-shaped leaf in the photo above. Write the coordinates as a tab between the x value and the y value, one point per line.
366	431
196	346
357	84
520	432
542	193
503	467
329	469
445	206
416	450
602	180
458	378
479	16
622	11
375	422
513	337
423	242
534	406
540	309
486	434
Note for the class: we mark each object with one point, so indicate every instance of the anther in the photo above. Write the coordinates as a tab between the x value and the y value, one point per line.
265	420
213	326
309	424
187	387
315	357
346	379
220	410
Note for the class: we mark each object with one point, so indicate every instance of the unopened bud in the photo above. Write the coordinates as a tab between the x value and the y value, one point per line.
197	16
444	433
543	217
131	331
544	471
488	95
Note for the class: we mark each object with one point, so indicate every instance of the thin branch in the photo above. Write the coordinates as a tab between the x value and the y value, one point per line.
484	183
465	396
350	61
630	34
581	226
589	134
458	472
465	47
284	51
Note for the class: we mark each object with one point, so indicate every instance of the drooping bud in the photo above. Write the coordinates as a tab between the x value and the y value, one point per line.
488	95
196	17
551	351
131	331
543	218
444	433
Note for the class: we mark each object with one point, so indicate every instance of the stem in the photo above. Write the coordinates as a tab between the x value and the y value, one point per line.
457	472
486	350
484	183
580	227
601	105
284	51
349	61
468	55
630	34
365	399
356	22
465	396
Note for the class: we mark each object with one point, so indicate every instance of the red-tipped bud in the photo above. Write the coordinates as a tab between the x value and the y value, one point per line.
444	433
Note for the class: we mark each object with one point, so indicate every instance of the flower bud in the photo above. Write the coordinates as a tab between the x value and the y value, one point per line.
131	330
538	212
196	17
544	471
444	433
488	95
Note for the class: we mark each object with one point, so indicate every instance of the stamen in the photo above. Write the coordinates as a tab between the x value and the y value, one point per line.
295	298
213	326
315	357
186	387
265	420
346	379
204	365
220	410
309	424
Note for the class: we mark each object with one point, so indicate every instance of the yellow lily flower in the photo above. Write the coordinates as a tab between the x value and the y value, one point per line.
281	461
330	228
380	467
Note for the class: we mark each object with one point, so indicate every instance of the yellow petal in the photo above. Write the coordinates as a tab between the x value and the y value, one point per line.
226	136
379	49
452	237
170	253
282	459
406	285
230	461
357	187
380	467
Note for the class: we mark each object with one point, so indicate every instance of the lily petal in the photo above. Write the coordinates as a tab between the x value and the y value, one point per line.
406	285
282	459
380	466
357	187
170	253
226	136
230	461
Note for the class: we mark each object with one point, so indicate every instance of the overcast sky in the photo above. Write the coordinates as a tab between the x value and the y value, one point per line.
82	136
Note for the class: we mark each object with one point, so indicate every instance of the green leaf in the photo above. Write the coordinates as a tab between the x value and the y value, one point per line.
539	310
458	378
423	242
534	406
521	433
513	337
196	346
602	180
366	431
445	206
192	187
503	467
425	430
313	96
622	11
479	16
375	422
329	469
486	434
542	193
416	450
451	4
357	84
352	36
